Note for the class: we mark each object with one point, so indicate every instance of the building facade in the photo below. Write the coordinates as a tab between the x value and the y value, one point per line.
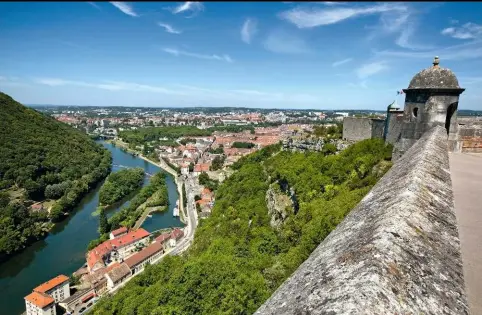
39	304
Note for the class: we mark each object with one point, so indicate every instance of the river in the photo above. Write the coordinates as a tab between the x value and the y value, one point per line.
63	250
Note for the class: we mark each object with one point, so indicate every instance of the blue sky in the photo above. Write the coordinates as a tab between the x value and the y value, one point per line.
322	55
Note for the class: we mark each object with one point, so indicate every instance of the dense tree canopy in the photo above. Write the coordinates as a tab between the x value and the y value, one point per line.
119	184
243	145
237	258
41	158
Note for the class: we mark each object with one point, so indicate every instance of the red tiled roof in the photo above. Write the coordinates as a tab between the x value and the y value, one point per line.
40	299
119	231
95	255
52	283
144	254
119	272
163	237
177	233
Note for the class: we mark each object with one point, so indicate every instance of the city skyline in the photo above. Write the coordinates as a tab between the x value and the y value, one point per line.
255	55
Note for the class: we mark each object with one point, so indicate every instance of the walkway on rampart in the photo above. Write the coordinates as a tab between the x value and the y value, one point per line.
466	170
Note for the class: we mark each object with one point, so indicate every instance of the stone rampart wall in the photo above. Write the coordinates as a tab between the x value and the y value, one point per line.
397	252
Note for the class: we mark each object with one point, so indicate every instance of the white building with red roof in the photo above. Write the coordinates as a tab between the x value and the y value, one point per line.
43	298
116	249
119	232
39	304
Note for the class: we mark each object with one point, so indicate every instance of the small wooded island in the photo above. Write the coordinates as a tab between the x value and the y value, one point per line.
152	197
120	184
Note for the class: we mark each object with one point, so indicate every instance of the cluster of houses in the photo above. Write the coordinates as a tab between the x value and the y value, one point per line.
206	203
201	154
108	265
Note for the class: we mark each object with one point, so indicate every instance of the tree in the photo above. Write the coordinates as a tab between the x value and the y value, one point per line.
203	178
103	222
328	149
217	163
191	167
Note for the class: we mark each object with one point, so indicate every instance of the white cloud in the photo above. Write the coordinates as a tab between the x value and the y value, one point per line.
94	5
469	50
331	3
248	30
176	52
108	85
169	28
192	6
124	7
340	62
313	17
466	31
370	69
281	42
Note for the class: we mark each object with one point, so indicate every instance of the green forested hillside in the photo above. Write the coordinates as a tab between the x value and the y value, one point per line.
41	158
237	259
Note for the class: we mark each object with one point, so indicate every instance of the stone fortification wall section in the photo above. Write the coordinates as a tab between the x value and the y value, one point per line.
360	128
470	134
397	252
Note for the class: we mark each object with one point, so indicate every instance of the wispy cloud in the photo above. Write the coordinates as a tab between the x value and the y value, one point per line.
285	43
169	28
341	62
177	52
108	85
189	6
466	31
331	3
248	30
125	8
313	17
402	23
470	50
370	69
95	5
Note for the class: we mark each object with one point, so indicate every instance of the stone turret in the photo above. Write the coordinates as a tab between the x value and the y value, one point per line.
431	99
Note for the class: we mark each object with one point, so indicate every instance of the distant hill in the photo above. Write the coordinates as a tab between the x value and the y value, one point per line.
41	158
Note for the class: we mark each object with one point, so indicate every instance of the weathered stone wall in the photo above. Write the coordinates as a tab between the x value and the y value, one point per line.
378	125
394	127
397	252
356	129
469	135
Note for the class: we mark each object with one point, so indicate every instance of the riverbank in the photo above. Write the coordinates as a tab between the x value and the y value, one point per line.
62	251
164	167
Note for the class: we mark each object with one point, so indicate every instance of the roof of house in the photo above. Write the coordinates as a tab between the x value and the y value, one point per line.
95	255
119	272
163	237
201	167
40	299
119	231
177	233
144	254
52	283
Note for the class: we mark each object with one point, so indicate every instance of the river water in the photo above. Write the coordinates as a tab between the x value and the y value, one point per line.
63	250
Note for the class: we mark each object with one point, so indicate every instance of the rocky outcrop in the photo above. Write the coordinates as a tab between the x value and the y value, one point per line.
397	252
311	144
279	206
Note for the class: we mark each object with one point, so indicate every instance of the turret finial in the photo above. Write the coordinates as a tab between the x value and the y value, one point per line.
436	61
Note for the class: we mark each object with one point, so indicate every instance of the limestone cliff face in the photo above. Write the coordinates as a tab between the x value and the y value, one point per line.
312	144
279	206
